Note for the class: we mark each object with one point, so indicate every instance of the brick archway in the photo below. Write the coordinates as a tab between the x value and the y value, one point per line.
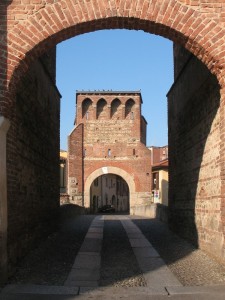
110	170
29	30
33	30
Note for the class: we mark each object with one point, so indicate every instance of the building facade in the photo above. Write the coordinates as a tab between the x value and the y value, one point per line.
109	138
160	176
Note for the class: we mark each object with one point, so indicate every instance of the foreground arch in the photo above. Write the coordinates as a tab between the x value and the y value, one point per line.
37	30
27	31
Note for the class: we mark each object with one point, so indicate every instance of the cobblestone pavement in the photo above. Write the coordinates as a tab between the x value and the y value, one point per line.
190	265
119	266
51	263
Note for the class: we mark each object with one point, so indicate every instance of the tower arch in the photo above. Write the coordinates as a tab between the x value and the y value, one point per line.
129	179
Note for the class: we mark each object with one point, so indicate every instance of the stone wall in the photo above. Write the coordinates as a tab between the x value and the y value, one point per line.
194	154
33	161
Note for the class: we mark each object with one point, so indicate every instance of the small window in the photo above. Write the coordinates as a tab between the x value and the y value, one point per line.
134	152
109	152
85	152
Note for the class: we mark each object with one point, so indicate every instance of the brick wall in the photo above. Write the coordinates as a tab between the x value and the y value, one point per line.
33	161
194	154
112	136
76	165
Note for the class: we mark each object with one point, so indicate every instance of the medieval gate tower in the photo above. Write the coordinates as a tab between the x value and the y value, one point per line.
109	140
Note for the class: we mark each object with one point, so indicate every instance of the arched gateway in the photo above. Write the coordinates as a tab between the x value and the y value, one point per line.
128	178
30	30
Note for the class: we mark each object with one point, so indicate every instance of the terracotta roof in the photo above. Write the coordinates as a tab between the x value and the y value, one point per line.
163	164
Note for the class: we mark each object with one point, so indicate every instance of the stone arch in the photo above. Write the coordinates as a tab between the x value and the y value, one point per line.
109	170
116	109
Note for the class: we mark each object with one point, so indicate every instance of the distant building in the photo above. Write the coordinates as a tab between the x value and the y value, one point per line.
108	161
63	177
63	171
159	160
112	189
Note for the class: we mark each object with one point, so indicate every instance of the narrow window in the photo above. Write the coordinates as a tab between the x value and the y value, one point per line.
85	152
134	152
109	152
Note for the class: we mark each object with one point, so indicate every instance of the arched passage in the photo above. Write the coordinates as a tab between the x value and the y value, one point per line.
109	170
33	30
109	193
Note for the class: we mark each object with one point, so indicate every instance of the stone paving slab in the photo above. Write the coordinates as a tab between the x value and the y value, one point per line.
86	267
125	291
151	263
177	290
139	243
95	229
84	274
145	252
135	235
112	297
94	235
132	230
160	277
37	292
40	289
86	261
154	269
91	245
81	283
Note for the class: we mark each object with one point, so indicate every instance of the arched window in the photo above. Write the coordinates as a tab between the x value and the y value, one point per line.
115	109
101	109
86	106
129	107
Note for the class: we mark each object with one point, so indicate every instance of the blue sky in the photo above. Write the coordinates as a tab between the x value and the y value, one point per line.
117	60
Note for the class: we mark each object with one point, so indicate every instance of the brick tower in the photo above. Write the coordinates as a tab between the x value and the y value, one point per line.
109	141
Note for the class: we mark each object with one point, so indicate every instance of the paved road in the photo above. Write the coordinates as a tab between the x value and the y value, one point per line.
117	261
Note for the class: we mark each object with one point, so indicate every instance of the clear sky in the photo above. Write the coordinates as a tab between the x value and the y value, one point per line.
121	60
